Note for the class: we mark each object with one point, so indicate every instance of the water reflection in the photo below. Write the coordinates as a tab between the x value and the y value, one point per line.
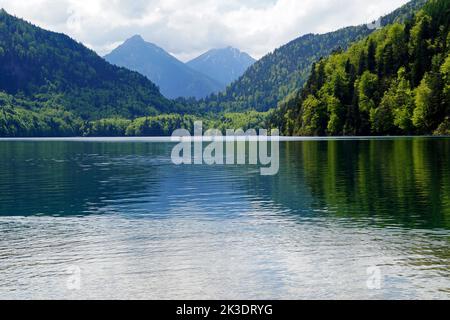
404	182
140	227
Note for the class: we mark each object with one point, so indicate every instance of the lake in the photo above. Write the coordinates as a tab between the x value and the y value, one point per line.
115	219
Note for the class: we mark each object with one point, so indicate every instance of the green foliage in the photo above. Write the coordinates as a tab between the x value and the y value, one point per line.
114	127
165	125
24	118
162	125
401	100
314	116
445	71
368	94
424	103
16	120
396	81
419	45
444	128
382	119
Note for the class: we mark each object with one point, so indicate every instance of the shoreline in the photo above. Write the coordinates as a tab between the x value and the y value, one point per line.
219	138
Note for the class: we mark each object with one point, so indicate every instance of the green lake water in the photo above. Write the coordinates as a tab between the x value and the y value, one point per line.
117	215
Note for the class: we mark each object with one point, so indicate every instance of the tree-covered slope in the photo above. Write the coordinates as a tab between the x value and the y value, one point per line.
279	74
40	65
174	78
396	81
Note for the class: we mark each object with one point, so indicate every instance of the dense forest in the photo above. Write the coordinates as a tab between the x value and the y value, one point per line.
396	81
52	69
22	118
282	73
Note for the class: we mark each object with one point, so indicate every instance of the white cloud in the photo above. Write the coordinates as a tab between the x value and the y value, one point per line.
187	28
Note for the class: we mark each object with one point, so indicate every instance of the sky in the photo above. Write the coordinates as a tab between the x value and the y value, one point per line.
188	28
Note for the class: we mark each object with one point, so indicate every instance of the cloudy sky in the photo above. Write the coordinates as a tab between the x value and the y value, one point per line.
187	28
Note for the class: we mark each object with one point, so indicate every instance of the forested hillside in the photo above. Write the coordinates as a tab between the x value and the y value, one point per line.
53	70
396	81
281	73
23	118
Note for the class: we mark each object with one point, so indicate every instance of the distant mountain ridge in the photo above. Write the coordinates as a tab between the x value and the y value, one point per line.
173	77
224	65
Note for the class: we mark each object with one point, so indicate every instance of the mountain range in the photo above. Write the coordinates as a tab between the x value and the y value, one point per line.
209	73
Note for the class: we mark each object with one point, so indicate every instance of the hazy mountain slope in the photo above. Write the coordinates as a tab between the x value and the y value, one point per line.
279	74
44	65
173	77
224	65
